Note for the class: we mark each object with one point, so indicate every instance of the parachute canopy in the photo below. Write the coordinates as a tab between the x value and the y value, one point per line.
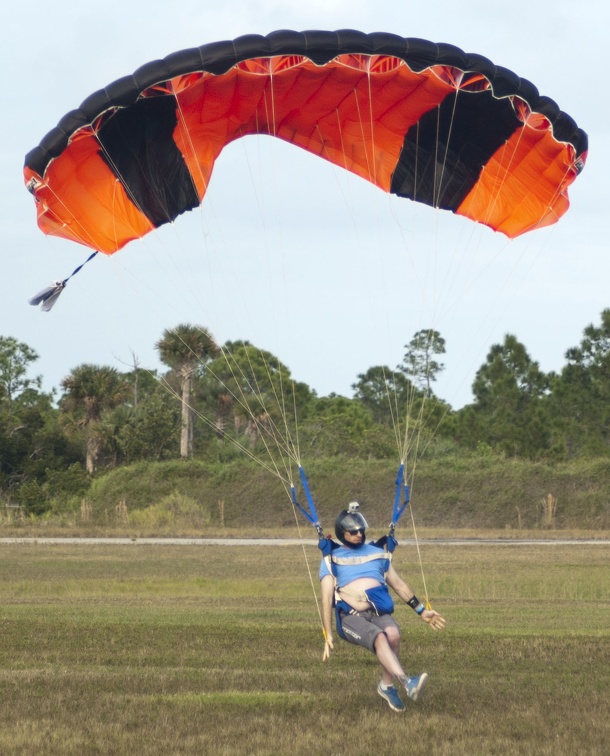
420	120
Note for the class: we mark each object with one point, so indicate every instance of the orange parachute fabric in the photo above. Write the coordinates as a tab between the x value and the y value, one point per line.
421	120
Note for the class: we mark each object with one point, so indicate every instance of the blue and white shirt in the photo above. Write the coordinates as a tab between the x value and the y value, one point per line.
350	564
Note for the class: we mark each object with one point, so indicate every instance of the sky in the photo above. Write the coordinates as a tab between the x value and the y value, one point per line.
325	271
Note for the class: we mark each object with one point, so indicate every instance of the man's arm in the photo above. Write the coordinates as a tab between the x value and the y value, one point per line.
406	593
327	588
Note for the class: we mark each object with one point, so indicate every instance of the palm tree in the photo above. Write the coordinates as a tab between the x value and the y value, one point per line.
90	390
184	349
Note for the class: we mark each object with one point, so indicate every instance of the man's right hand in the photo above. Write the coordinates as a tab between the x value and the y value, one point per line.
328	646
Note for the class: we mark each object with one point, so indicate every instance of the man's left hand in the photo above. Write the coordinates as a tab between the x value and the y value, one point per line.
434	619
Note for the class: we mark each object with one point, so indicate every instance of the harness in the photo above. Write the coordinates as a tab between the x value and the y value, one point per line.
378	597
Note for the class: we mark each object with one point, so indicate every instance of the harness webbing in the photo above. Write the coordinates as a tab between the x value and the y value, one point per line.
312	514
327	546
398	509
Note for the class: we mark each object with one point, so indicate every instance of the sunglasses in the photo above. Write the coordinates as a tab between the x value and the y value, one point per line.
355	532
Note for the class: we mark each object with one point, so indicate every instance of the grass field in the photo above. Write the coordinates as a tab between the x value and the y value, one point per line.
217	650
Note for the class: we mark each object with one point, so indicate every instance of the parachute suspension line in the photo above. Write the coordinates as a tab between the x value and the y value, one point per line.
411	448
76	226
416	171
280	398
403	487
296	426
265	429
369	157
286	443
291	447
114	204
269	108
271	468
186	281
508	164
340	129
479	187
500	183
392	398
191	146
272	89
119	179
312	517
402	500
371	123
279	393
404	444
409	439
556	194
391	393
310	513
420	560
436	193
347	204
439	186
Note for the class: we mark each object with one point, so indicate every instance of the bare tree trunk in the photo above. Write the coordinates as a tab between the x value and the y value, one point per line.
186	435
92	448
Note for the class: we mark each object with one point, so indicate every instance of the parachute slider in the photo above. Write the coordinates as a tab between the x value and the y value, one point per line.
50	294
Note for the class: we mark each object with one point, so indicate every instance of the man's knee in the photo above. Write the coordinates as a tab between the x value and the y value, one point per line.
393	636
390	632
390	636
381	640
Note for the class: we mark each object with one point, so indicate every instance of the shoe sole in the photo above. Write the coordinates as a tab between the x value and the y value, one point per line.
416	694
389	703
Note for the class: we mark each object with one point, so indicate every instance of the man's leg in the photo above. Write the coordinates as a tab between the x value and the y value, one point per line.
387	646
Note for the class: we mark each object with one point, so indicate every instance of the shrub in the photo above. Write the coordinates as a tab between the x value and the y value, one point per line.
173	510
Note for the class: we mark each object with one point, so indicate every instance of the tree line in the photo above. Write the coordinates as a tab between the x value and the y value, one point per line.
215	402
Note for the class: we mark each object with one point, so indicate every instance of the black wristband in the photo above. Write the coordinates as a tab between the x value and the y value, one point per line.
416	605
414	602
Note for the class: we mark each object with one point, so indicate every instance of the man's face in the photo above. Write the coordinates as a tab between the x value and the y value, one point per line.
354	537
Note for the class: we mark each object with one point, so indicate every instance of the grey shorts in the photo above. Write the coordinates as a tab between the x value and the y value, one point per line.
364	627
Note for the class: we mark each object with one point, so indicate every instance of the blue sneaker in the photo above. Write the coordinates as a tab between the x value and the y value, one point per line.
391	696
414	686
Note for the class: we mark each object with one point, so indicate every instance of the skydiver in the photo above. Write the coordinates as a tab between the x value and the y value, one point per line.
355	578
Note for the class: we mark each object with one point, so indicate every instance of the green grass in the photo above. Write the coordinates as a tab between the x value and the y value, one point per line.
453	491
217	650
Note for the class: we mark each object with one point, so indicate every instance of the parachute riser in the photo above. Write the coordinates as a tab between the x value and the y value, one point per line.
311	515
401	486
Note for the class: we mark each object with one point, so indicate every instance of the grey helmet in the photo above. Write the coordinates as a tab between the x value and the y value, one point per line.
350	519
